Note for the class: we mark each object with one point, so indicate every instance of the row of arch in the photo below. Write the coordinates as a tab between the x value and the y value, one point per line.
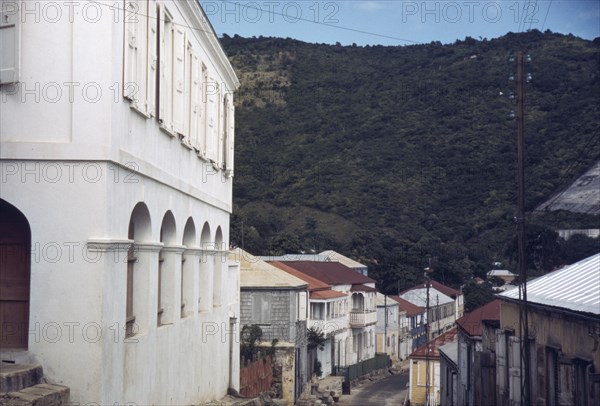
171	280
140	230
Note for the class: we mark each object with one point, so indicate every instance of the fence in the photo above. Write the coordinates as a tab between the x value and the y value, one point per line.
256	377
362	368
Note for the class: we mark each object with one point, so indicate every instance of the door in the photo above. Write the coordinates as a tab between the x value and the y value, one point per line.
15	243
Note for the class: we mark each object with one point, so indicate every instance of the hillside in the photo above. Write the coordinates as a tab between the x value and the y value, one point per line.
395	154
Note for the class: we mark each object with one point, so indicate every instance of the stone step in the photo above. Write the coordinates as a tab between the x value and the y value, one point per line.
42	394
14	377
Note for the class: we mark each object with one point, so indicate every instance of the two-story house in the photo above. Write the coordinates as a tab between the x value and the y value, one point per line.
277	302
387	327
348	320
116	155
412	329
442	308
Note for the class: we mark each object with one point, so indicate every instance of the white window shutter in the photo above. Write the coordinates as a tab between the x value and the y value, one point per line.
187	93
131	49
302	306
203	126
152	60
221	131
195	71
514	371
212	141
179	49
10	42
230	138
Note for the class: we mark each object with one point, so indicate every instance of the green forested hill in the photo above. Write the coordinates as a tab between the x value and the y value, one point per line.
392	155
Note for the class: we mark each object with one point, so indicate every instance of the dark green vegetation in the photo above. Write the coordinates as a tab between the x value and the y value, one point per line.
393	155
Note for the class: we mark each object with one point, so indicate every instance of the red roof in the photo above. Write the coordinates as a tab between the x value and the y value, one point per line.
313	284
332	273
411	309
471	322
446	290
326	294
434	345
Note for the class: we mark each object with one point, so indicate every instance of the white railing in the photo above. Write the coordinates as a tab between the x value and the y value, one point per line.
329	326
362	318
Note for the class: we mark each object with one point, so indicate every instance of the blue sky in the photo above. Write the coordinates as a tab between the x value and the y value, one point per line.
400	22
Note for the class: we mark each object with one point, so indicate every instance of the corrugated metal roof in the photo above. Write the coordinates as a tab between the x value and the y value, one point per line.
313	283
333	273
500	272
450	350
575	287
418	297
411	309
296	257
471	323
446	290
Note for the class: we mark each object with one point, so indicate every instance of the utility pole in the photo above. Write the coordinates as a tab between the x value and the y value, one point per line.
523	311
427	362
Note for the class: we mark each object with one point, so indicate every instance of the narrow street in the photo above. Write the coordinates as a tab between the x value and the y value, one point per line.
389	391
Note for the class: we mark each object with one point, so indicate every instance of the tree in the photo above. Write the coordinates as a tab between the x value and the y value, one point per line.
477	295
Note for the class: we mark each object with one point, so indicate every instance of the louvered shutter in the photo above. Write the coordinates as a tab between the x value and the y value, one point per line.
195	71
514	371
302	306
131	50
230	138
152	59
212	128
179	49
501	364
10	42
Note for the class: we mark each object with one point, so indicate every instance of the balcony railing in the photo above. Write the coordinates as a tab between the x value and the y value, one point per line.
331	325
362	318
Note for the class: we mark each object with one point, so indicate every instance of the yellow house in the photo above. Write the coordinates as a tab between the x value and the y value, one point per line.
422	391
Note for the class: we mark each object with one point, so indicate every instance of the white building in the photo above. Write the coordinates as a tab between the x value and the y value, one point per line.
387	328
116	172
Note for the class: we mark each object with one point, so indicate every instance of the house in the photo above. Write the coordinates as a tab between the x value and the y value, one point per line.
387	327
425	361
442	308
456	295
328	314
346	309
564	336
476	374
277	302
116	155
412	329
449	374
503	274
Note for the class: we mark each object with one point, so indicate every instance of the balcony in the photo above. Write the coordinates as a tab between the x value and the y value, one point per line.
331	325
362	318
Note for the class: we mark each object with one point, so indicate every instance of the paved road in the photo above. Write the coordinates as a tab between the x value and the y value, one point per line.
389	391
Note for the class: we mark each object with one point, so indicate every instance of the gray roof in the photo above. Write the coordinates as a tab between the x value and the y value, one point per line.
450	350
575	287
500	272
336	256
418	297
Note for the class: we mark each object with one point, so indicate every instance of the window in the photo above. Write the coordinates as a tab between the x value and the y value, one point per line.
165	115
10	38
551	376
261	308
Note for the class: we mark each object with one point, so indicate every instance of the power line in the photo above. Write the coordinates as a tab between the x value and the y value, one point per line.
546	17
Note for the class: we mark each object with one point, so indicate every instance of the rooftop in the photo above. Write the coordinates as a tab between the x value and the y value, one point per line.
383	300
450	351
313	284
332	273
326	294
575	287
256	273
336	256
471	323
434	345
411	309
418	297
500	272
446	290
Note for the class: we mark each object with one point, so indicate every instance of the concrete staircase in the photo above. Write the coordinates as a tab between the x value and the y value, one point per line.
23	385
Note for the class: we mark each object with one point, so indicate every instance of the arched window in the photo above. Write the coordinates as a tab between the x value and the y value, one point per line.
166	265
139	231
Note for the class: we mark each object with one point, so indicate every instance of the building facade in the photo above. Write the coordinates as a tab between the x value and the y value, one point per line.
277	302
117	165
388	327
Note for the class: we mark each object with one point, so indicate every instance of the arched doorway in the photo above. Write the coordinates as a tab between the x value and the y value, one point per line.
15	275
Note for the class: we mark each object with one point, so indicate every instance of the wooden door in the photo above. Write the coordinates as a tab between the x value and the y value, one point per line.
15	243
